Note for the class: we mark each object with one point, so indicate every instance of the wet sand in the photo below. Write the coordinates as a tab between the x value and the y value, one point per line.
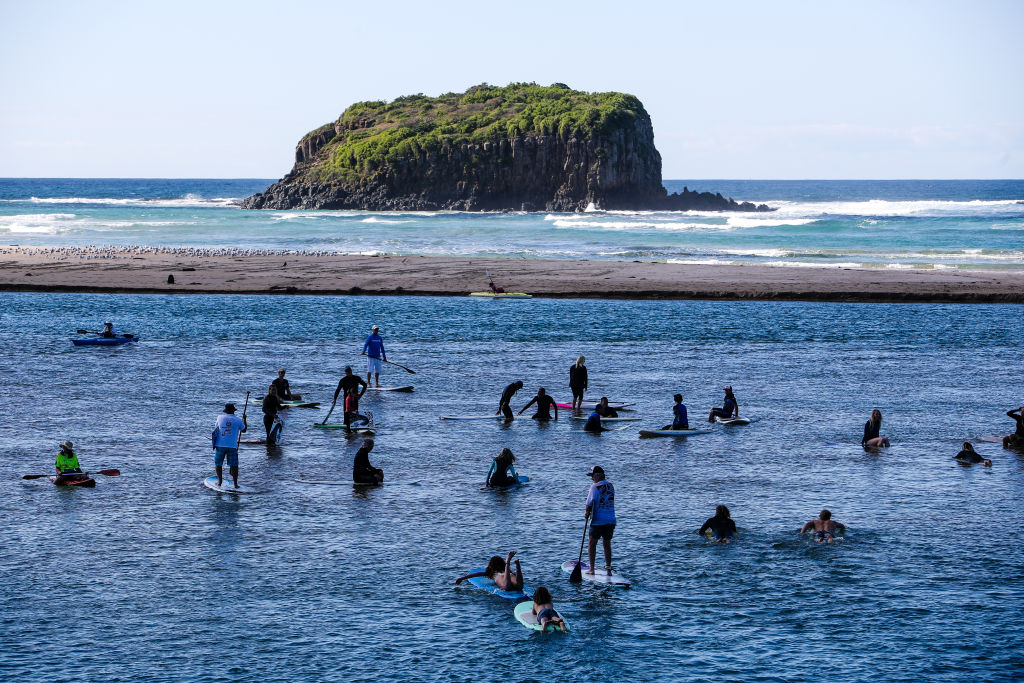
216	271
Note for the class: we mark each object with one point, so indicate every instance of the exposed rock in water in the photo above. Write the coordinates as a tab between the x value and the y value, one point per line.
523	147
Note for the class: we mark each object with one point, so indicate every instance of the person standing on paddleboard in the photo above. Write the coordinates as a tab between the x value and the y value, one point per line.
67	465
271	407
544	405
226	433
284	392
374	350
578	382
349	382
362	471
601	513
679	420
506	399
730	408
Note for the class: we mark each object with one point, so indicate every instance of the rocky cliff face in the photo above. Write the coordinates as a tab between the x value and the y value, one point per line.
564	154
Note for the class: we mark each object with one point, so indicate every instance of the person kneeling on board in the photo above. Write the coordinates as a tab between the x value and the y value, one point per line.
352	414
271	407
284	392
679	419
544	405
362	471
504	407
824	527
594	423
1015	440
226	433
500	572
605	410
544	610
721	526
730	408
502	471
969	456
68	468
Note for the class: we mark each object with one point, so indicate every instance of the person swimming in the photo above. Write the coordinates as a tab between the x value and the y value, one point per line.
871	438
502	472
544	610
969	456
499	571
824	527
721	525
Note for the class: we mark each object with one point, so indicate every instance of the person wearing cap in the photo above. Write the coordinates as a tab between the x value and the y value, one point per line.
347	385
506	399
730	408
284	392
373	349
108	331
226	434
68	468
601	513
578	382
362	471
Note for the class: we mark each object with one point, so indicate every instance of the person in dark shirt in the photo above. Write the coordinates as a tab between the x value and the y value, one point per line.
578	382
594	423
284	392
362	471
506	398
544	405
502	471
1015	440
721	525
871	438
679	419
605	410
969	456
108	331
730	408
271	407
349	382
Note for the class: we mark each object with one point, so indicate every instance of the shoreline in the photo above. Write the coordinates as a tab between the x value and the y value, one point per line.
144	270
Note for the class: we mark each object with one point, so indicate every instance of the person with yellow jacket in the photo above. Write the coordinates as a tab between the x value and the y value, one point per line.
67	465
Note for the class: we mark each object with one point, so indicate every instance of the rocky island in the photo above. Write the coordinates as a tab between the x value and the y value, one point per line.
521	147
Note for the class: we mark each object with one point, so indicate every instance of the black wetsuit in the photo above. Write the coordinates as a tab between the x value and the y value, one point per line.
968	456
594	424
544	405
271	406
349	382
606	412
577	380
362	471
284	392
721	527
1018	435
506	398
870	431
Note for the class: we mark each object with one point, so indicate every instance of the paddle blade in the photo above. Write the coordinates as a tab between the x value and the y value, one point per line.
577	573
34	476
110	473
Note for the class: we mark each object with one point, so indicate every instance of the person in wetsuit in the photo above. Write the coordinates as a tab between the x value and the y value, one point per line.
1015	440
969	456
284	392
825	528
605	410
348	383
502	471
594	423
730	408
871	438
362	471
271	407
506	397
67	465
721	525
578	382
544	405
679	420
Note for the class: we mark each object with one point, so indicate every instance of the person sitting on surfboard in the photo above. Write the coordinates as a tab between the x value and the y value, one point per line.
506	399
730	408
1015	440
544	610
226	433
373	349
271	407
594	423
500	572
825	528
284	392
969	456
108	331
502	471
68	468
679	420
544	405
362	471
601	513
605	410
871	439
721	525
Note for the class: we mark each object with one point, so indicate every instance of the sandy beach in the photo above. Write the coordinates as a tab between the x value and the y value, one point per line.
212	271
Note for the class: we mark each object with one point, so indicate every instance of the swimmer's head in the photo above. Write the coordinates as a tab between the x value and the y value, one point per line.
825	514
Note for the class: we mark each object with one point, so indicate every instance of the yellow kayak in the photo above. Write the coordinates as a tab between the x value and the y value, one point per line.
502	295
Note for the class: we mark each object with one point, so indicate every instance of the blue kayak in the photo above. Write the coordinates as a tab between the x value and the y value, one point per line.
104	341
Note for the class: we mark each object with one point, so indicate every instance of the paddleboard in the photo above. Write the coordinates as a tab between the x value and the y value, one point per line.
227	486
590	405
607	429
502	295
584	418
484	583
525	616
297	404
992	439
520	480
351	430
349	482
600	575
405	389
673	432
79	483
732	421
472	417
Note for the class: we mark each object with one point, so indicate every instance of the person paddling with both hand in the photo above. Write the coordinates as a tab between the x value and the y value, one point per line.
67	465
226	434
373	349
601	513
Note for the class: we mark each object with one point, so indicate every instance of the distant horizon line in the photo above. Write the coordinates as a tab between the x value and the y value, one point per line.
663	179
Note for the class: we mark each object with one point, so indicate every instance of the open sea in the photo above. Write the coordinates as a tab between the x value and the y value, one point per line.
150	576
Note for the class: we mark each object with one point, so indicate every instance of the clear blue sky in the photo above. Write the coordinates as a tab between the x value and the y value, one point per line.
736	89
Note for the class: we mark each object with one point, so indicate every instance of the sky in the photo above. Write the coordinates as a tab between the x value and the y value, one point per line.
766	90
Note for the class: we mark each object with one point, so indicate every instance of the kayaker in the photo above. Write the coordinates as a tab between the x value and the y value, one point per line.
500	572
594	423
502	471
226	434
362	471
679	420
824	527
271	407
67	465
352	413
284	392
730	408
544	610
544	405
347	382
108	331
969	456
601	513
373	349
1015	440
605	410
578	382
721	525
506	398
871	439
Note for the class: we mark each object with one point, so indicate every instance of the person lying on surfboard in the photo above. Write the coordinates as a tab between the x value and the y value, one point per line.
500	572
594	423
544	610
824	527
730	408
969	456
284	392
362	471
721	525
605	410
1015	440
679	420
68	468
502	471
506	399
544	405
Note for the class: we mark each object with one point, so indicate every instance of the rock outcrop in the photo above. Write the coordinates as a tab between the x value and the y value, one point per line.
522	148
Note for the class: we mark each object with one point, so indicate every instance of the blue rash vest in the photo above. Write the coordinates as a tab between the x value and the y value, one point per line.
374	347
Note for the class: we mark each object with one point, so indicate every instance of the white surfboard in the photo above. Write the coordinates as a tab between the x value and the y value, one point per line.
732	421
227	486
405	388
673	432
584	418
600	575
524	615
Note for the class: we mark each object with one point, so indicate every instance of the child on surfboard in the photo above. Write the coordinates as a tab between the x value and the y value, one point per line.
544	610
679	419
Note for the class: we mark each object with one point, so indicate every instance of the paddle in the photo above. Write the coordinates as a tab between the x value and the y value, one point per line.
333	403
244	408
411	372
577	571
105	473
126	336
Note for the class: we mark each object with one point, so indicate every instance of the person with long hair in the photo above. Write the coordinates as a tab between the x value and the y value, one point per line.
500	572
544	610
578	382
969	456
503	471
730	408
721	526
871	438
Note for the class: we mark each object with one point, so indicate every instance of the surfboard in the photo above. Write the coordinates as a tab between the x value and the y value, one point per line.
301	404
502	295
472	417
349	482
992	439
607	429
226	487
520	480
590	405
525	616
600	575
732	421
486	584
353	430
607	419
405	388
673	432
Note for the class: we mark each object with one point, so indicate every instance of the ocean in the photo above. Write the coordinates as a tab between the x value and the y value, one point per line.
926	224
